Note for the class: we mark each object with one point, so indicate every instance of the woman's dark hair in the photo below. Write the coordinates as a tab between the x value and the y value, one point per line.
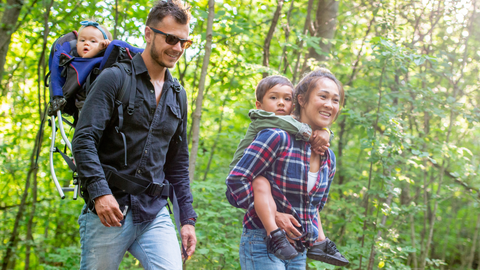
309	82
164	8
268	83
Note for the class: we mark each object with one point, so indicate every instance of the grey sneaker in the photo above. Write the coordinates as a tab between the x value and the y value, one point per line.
278	245
327	252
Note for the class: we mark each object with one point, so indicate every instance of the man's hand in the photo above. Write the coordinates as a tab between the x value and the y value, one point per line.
288	223
320	141
108	211
189	240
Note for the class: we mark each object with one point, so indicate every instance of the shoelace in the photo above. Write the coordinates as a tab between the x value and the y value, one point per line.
299	246
279	242
331	248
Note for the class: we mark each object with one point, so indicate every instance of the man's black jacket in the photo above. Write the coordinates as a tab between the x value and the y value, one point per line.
149	131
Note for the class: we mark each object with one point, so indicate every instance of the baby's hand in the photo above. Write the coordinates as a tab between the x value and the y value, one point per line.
320	141
103	44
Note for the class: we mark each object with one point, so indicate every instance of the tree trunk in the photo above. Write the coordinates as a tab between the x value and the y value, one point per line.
268	39
201	87
478	262
449	226
214	146
379	234
189	135
7	26
412	236
371	164
115	25
12	242
474	242
287	36
300	42
325	26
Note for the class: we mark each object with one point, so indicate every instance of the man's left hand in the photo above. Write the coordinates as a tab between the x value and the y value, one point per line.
189	240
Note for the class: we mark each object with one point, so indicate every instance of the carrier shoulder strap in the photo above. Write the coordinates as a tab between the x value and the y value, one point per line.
129	85
181	97
182	100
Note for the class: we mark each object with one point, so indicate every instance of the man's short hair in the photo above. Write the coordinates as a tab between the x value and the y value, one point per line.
268	83
164	8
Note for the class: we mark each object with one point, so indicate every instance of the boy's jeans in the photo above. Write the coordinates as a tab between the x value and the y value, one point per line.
153	243
253	254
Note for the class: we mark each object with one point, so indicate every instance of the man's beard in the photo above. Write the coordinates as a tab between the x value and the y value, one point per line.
156	56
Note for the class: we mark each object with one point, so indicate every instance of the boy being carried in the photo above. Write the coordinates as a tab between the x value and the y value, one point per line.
274	104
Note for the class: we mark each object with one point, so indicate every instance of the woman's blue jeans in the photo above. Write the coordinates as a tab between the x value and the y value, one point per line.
153	243
253	254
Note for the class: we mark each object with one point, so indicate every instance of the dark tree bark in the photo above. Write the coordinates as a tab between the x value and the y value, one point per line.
287	35
325	26
7	27
300	42
116	20
268	39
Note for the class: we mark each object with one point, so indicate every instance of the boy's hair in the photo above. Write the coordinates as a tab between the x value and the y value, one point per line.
309	82
268	83
164	8
109	35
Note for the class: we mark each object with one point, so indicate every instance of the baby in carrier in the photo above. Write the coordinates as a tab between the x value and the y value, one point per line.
92	39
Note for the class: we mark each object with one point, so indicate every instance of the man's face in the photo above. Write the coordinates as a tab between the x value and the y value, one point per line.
164	54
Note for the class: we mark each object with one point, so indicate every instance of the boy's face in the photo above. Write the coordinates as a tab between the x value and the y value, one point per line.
278	99
88	40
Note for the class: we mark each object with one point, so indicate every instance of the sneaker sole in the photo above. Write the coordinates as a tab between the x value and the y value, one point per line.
327	259
285	258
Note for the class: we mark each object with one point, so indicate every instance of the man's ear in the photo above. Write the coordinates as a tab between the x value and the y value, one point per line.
258	104
148	35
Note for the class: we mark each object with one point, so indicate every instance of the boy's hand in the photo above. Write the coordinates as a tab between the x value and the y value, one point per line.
320	141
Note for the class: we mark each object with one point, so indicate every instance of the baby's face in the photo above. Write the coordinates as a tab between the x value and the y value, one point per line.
278	99
88	40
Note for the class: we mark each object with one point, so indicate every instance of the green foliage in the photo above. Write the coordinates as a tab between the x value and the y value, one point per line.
406	140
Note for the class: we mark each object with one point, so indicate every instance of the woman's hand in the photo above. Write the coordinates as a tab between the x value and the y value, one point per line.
288	223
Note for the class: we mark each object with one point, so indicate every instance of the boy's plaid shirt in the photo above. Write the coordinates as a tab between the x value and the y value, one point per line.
284	161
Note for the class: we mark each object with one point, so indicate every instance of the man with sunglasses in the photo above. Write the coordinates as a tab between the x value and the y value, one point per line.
115	219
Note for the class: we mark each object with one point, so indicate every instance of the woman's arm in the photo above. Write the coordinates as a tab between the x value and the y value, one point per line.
321	234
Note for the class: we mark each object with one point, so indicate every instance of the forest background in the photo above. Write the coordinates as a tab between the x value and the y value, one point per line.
406	193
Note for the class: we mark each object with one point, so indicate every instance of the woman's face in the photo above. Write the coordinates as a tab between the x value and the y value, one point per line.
322	106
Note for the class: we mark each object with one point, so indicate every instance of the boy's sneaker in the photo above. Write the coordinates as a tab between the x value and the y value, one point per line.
278	245
326	251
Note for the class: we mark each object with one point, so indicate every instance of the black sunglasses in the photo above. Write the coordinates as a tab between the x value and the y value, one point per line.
173	40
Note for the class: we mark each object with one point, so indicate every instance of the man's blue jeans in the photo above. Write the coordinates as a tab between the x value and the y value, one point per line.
153	243
253	254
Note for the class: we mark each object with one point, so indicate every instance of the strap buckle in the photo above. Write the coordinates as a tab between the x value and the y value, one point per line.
156	189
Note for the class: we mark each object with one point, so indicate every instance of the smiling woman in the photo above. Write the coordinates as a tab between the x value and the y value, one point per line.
319	97
322	106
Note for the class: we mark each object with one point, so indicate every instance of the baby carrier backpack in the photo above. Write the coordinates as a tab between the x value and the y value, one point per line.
69	80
